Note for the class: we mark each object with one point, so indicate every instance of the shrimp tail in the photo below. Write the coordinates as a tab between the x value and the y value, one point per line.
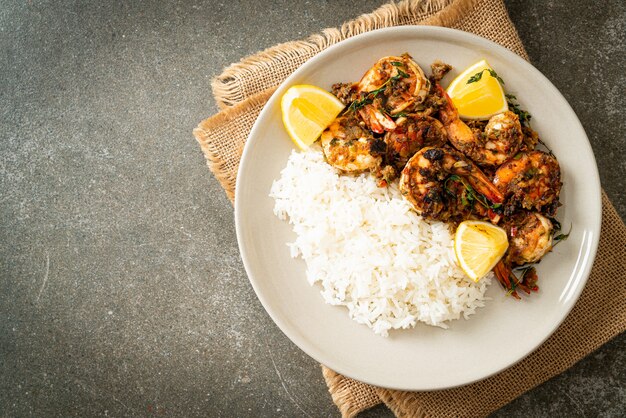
482	184
494	217
447	112
478	180
377	120
505	276
460	135
511	283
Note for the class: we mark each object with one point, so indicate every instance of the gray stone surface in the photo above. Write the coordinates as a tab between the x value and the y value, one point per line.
121	289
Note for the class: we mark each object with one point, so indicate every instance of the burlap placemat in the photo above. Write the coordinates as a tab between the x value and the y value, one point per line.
242	90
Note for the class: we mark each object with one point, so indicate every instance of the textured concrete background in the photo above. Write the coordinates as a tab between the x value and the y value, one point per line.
121	289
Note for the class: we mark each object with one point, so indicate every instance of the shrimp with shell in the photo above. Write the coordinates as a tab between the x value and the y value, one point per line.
500	140
531	181
530	238
412	133
403	81
423	179
350	147
392	86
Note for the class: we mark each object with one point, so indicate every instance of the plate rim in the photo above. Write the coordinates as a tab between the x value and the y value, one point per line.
414	31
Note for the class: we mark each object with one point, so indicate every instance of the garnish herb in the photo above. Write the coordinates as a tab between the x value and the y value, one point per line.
524	116
557	224
382	88
546	147
379	90
476	77
403	74
561	237
357	104
523	269
514	283
557	228
453	177
472	195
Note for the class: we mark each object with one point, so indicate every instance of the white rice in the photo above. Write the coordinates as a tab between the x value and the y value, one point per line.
369	251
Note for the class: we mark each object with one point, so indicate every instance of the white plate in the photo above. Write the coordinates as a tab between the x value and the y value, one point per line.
423	358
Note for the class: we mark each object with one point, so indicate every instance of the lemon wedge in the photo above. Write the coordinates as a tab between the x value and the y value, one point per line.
480	99
308	110
478	247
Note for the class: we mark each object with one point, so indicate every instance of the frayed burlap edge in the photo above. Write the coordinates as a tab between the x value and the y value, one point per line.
451	14
224	169
227	87
343	392
401	405
269	67
438	12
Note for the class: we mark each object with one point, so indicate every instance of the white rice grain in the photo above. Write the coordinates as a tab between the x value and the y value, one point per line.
369	250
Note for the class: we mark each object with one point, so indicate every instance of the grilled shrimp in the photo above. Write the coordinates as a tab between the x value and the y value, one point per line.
422	181
374	115
511	283
532	181
500	140
391	86
530	238
412	133
350	147
404	82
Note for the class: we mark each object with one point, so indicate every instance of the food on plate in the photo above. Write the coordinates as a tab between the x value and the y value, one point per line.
351	147
479	246
425	178
477	92
369	250
392	86
399	79
497	142
530	180
402	165
307	111
530	238
412	133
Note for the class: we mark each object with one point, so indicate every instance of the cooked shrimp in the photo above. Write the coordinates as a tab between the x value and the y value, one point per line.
531	139
392	85
412	133
500	140
423	181
510	282
403	81
350	147
531	180
375	116
368	105
530	237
